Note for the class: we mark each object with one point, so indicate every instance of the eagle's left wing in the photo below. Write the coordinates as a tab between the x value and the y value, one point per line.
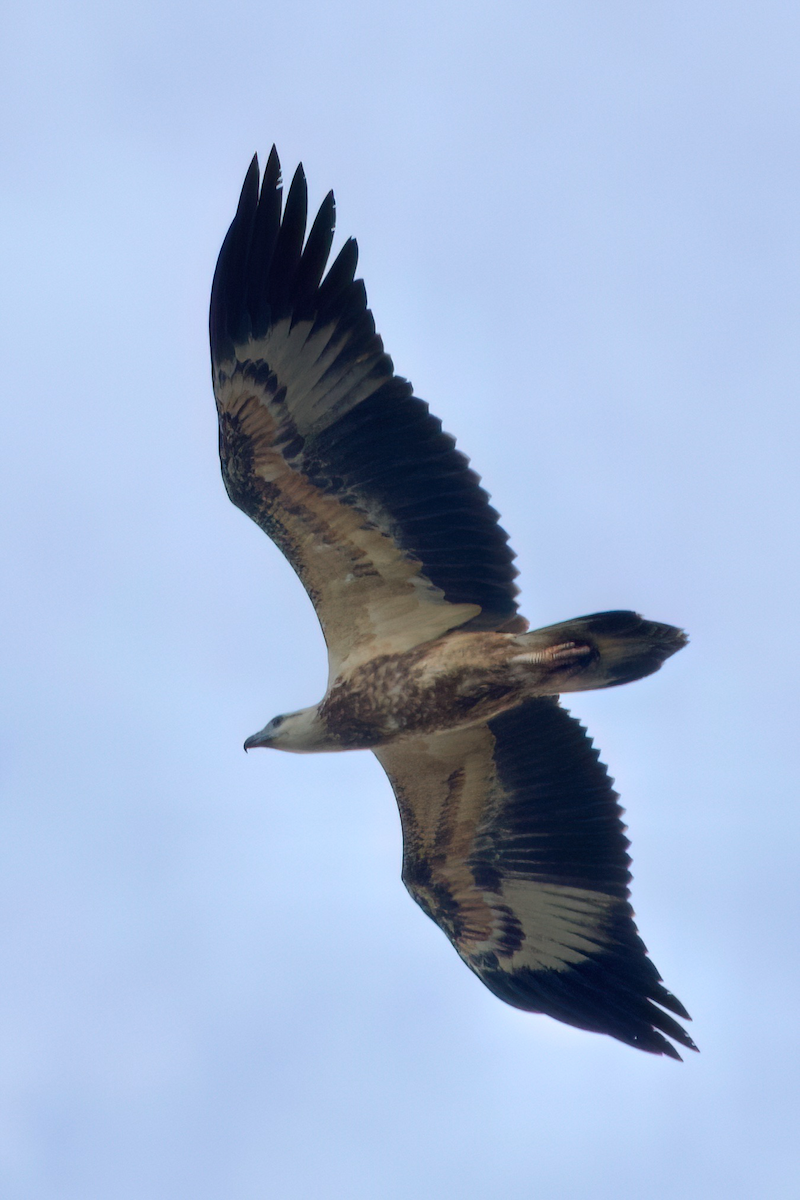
331	453
514	844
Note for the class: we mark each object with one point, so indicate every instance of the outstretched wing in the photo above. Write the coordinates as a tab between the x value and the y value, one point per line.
514	845
331	453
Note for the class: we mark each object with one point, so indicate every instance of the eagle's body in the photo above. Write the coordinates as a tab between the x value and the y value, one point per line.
513	841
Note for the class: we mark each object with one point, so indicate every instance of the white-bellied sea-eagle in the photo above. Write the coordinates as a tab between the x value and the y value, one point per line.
512	836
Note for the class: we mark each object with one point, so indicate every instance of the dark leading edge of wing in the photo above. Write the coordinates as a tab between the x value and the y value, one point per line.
561	825
387	453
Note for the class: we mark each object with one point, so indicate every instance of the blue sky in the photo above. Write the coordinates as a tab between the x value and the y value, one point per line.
579	233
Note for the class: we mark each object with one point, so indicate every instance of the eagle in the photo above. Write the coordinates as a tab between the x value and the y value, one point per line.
513	841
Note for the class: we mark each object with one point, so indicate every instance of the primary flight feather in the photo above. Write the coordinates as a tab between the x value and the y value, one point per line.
513	840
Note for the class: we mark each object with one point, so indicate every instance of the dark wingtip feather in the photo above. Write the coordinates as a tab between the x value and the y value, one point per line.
264	269
341	273
288	246
272	171
315	254
667	1000
228	290
265	235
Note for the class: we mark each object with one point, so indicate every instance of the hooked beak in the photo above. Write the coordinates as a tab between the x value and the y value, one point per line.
258	739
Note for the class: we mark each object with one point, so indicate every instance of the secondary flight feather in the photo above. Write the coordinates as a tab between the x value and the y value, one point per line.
513	840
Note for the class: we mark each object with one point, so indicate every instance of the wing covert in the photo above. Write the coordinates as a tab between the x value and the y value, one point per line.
514	844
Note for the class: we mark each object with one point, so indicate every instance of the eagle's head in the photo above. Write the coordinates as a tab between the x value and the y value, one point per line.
301	732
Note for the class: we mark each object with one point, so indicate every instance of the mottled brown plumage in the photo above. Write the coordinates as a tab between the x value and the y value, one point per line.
513	841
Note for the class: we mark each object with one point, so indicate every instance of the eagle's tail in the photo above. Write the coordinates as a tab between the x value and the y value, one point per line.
601	650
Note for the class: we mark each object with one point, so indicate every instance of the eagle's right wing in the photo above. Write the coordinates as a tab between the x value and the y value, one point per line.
514	845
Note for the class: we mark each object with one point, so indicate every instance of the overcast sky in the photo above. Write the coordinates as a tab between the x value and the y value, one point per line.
579	227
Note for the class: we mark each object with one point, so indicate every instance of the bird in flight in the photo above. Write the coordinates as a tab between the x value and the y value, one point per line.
513	841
